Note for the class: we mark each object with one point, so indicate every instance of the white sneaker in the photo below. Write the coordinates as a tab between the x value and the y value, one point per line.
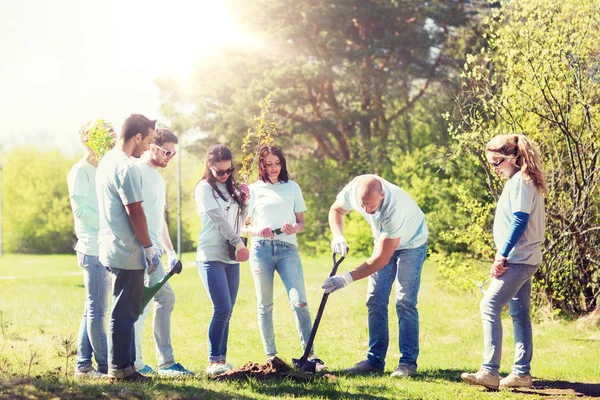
404	370
516	380
215	369
482	378
89	373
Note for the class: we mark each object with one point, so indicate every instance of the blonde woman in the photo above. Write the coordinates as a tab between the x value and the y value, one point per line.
518	234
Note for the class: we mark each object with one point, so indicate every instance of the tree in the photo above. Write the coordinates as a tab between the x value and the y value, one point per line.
342	74
539	76
37	212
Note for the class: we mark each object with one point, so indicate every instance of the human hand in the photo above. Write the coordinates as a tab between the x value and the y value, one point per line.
336	282
339	245
242	254
171	255
266	233
289	229
498	266
245	192
173	263
152	259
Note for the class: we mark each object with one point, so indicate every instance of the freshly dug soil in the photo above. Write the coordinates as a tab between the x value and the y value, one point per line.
274	369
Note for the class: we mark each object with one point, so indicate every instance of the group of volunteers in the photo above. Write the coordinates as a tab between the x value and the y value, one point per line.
119	208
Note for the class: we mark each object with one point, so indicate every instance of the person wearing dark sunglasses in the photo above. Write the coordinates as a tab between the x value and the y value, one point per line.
222	209
161	152
518	235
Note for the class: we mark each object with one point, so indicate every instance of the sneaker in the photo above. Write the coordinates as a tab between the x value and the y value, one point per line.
89	372
404	370
136	377
174	370
228	366
516	380
363	367
215	369
147	370
482	377
319	364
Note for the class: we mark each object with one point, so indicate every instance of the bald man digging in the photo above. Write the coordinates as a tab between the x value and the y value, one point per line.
400	248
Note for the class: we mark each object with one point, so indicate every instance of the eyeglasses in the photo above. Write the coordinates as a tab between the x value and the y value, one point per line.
168	153
221	172
497	164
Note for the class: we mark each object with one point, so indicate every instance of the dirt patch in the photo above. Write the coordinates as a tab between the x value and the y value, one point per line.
274	369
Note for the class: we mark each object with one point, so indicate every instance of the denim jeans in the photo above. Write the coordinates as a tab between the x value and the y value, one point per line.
512	288
164	301
92	330
221	281
405	268
126	303
266	257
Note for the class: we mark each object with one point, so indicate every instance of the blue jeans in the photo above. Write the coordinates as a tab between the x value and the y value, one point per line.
126	304
266	257
405	268
92	330
512	288
164	302
222	282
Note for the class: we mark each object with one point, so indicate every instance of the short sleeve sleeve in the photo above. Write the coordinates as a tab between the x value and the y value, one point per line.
129	185
299	204
205	199
344	197
523	196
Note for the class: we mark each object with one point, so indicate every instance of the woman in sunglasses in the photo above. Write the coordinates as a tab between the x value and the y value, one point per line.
276	214
222	210
519	234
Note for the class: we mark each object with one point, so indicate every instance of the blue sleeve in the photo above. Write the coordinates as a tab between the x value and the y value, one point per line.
517	227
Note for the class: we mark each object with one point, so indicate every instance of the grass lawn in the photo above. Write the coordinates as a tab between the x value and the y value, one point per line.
41	301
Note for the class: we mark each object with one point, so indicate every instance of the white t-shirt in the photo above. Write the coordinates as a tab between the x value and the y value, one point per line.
273	204
399	216
82	192
118	183
522	196
212	245
155	201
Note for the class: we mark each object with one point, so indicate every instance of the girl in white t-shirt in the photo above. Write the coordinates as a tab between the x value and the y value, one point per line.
222	209
518	234
276	215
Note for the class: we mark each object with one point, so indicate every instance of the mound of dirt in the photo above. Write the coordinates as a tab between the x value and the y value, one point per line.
274	369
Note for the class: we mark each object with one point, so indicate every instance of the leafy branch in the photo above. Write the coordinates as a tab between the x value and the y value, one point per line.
100	137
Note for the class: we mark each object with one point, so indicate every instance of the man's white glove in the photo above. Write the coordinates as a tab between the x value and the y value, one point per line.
339	245
152	259
172	257
336	282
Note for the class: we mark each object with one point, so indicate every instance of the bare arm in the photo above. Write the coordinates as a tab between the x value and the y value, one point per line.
378	260
336	219
166	238
299	222
137	219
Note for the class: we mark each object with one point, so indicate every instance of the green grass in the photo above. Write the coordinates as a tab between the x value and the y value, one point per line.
41	300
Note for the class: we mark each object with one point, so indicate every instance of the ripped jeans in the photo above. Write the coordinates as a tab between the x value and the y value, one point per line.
266	257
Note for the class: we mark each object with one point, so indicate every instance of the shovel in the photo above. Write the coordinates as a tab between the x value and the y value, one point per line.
303	362
149	292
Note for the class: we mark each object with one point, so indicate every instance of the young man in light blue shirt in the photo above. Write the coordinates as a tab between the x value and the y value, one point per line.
92	330
125	246
162	150
400	239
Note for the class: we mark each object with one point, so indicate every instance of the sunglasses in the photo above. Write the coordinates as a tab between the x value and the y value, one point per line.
497	164
221	172
168	153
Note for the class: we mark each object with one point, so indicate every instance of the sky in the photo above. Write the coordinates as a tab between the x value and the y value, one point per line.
63	62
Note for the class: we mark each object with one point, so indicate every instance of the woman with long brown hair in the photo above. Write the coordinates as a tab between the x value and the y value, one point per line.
518	234
222	209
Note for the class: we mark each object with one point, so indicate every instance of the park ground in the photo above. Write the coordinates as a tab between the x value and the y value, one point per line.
41	301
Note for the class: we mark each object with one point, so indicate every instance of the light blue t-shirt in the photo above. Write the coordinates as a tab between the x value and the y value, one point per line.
519	195
154	194
82	194
212	245
118	183
399	216
273	204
